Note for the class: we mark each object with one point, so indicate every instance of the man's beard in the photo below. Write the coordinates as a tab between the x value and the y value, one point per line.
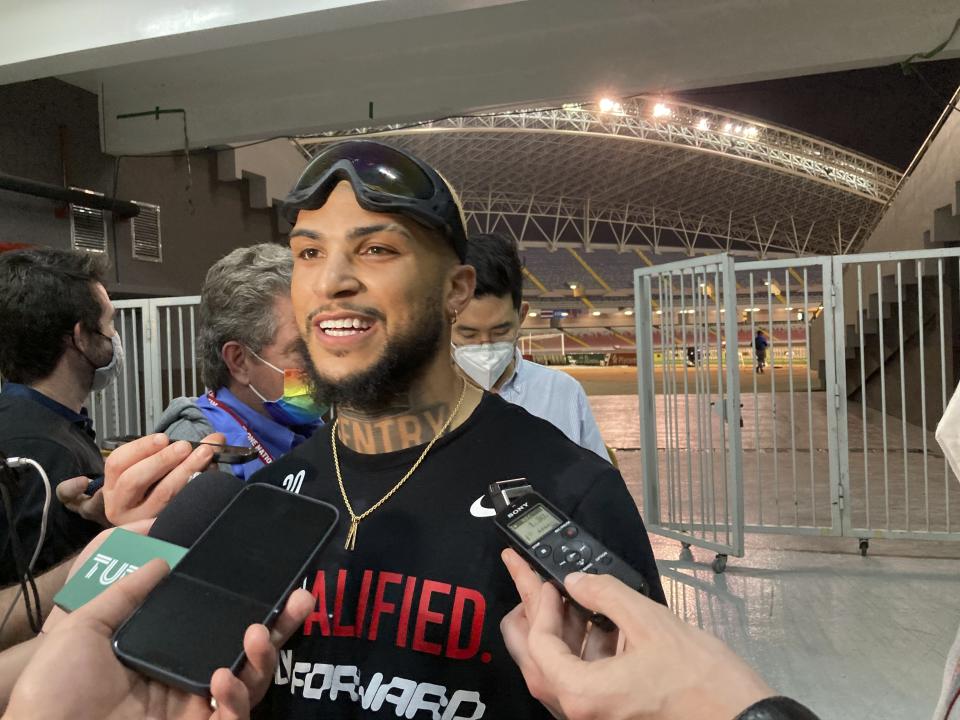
382	386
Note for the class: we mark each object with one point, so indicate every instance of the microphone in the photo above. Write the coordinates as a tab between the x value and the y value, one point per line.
176	528
195	507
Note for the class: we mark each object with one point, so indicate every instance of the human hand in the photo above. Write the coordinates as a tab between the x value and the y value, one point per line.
516	627
83	641
73	494
141	477
56	615
668	670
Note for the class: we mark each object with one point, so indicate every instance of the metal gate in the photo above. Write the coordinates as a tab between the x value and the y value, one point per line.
862	355
790	438
897	367
160	364
690	403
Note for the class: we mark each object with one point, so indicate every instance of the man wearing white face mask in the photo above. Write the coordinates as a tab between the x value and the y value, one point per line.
58	344
485	346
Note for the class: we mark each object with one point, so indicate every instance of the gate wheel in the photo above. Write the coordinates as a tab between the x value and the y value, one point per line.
864	546
719	563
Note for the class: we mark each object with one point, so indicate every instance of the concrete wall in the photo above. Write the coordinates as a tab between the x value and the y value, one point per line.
912	220
48	125
923	216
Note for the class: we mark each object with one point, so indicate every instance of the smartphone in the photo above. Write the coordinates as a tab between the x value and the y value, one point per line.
240	571
233	454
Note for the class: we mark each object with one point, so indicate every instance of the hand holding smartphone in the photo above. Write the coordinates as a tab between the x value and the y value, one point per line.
232	454
239	572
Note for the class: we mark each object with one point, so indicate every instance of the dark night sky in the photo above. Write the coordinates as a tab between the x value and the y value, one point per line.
879	111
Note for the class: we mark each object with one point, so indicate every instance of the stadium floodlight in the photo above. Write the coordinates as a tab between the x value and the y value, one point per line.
662	110
607	105
703	124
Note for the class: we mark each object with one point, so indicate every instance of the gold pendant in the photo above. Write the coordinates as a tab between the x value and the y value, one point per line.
351	542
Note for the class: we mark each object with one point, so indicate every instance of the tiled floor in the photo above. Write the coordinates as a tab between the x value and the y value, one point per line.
853	637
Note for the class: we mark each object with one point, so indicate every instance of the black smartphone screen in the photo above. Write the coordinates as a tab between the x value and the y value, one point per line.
239	572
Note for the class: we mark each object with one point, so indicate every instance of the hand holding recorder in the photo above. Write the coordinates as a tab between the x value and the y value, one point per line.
667	670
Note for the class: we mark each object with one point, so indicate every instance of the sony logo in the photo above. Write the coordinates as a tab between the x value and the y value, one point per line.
517	510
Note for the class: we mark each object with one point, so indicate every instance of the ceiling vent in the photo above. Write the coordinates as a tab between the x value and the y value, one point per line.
145	232
88	228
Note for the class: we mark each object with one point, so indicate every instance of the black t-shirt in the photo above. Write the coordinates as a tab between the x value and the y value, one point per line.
64	450
408	624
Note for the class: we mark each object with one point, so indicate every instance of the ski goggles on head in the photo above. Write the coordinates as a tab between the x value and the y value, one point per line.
385	180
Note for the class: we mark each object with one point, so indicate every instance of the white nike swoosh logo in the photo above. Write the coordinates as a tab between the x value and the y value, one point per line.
478	509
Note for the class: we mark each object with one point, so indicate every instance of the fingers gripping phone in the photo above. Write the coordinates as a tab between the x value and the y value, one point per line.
239	572
232	454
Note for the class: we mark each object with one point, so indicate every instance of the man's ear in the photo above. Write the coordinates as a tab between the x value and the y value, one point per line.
80	338
461	283
235	357
524	309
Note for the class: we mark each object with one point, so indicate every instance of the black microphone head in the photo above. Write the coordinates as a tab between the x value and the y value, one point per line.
195	507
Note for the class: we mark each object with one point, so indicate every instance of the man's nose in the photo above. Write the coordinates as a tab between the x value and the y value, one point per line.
338	278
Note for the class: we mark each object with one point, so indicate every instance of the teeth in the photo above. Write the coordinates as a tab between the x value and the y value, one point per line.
345	324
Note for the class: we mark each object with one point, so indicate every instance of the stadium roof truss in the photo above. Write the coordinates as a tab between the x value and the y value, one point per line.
650	173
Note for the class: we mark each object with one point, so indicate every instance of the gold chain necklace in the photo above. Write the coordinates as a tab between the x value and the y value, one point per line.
355	519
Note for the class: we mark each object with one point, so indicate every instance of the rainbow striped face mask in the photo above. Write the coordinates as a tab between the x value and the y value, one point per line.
296	407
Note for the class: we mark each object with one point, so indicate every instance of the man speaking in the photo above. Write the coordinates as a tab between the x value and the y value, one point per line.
410	592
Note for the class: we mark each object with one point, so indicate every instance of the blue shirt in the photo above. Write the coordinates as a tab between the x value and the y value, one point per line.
275	438
556	397
80	419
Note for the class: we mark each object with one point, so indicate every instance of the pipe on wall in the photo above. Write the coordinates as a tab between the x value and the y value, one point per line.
25	186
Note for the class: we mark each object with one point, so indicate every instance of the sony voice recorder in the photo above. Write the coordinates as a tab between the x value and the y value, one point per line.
555	545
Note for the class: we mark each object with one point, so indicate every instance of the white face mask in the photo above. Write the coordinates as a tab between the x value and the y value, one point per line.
948	433
484	364
103	376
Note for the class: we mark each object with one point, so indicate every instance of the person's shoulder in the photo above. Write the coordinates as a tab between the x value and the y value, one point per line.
22	406
53	450
536	436
308	457
24	419
183	420
557	378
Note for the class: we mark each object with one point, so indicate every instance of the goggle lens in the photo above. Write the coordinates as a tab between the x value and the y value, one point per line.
380	168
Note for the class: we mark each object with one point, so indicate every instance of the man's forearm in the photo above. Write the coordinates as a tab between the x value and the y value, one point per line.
17	628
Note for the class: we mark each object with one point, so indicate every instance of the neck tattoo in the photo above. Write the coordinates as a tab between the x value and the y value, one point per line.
355	519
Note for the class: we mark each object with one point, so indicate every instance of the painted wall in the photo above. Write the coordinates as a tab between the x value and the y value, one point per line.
49	132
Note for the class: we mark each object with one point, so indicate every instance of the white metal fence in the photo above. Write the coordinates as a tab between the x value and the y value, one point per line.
160	364
837	432
693	477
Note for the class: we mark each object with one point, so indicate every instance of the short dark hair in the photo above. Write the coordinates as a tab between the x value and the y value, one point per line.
499	268
44	292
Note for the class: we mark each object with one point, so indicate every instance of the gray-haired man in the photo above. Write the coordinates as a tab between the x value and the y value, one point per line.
249	363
